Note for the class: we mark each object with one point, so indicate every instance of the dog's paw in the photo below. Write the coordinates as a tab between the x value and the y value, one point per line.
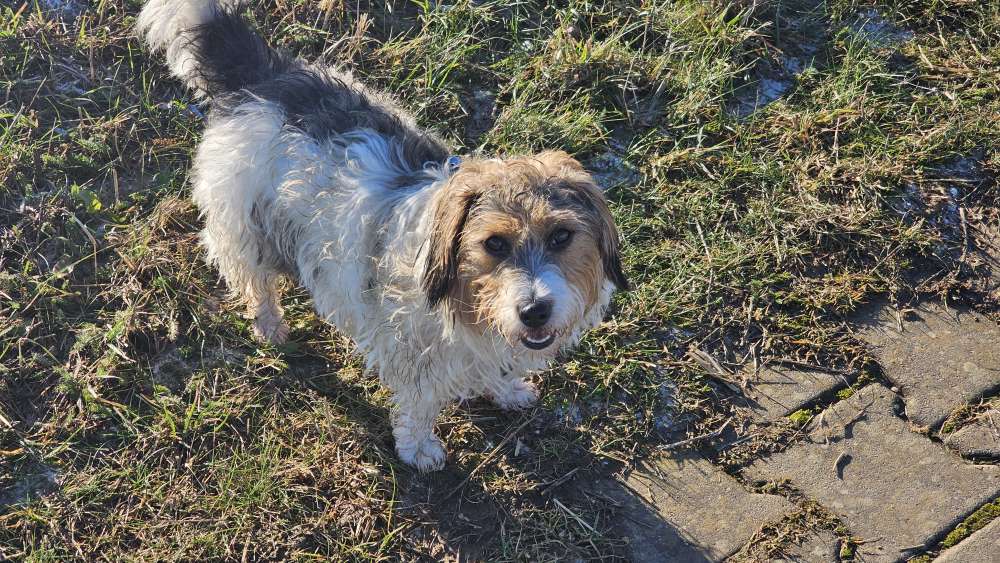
519	395
426	455
270	329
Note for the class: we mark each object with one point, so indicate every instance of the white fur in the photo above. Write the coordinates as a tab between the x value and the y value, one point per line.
335	195
277	202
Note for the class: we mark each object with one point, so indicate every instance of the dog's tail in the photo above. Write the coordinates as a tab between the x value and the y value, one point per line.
208	45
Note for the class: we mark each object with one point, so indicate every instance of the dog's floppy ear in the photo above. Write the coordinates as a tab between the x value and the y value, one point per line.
451	206
567	169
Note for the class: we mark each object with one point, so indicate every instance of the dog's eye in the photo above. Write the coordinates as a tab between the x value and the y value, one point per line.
560	238
497	246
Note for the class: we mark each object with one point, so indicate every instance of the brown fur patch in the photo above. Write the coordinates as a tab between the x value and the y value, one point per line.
608	239
522	200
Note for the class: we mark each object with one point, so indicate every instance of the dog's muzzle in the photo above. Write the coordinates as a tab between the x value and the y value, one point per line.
535	315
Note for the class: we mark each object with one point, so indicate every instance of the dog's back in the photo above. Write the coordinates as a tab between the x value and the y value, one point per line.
210	47
293	160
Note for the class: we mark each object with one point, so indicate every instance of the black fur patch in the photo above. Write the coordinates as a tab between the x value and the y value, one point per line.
231	55
322	105
238	66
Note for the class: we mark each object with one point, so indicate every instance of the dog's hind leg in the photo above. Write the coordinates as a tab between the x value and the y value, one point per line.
233	186
252	281
264	306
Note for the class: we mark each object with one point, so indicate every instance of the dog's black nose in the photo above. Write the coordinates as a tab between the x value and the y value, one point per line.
536	313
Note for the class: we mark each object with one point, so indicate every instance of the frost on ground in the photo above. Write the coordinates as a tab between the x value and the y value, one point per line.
769	80
35	480
611	171
665	418
766	91
941	201
69	9
172	369
482	110
873	27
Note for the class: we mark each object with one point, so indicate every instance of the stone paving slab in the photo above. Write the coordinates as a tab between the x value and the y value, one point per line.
683	509
981	547
817	547
980	439
940	358
892	487
778	392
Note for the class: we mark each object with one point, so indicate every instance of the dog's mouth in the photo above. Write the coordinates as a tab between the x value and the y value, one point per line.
538	340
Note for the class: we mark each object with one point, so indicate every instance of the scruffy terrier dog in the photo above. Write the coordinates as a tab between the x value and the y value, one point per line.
454	278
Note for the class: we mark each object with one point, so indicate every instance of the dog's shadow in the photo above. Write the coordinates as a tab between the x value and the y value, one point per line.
513	482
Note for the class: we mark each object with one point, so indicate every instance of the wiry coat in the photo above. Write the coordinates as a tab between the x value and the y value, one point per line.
304	172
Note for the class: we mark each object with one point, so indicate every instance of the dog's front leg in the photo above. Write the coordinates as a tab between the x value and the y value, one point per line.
413	429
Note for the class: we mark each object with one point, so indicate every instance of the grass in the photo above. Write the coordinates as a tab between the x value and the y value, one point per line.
138	418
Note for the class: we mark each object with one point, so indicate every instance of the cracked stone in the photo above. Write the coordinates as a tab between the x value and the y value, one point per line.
778	392
940	358
980	439
891	486
983	545
682	508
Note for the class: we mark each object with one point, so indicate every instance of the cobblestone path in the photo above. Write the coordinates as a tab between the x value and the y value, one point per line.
897	464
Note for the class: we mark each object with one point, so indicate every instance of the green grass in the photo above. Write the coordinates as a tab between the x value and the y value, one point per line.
126	371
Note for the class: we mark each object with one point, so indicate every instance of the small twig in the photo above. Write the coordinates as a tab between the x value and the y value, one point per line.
712	434
857	416
713	368
708	253
804	365
965	234
741	441
993	426
605	499
579	520
548	488
862	542
489	457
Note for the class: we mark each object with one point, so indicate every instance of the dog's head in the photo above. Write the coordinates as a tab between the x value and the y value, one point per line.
522	248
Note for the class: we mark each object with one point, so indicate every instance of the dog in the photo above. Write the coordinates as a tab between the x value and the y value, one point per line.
454	277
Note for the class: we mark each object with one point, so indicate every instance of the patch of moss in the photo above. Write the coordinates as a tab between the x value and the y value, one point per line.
801	417
956	419
978	520
847	550
845	393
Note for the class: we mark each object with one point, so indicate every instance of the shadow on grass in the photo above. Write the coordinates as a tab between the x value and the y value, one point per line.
470	507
